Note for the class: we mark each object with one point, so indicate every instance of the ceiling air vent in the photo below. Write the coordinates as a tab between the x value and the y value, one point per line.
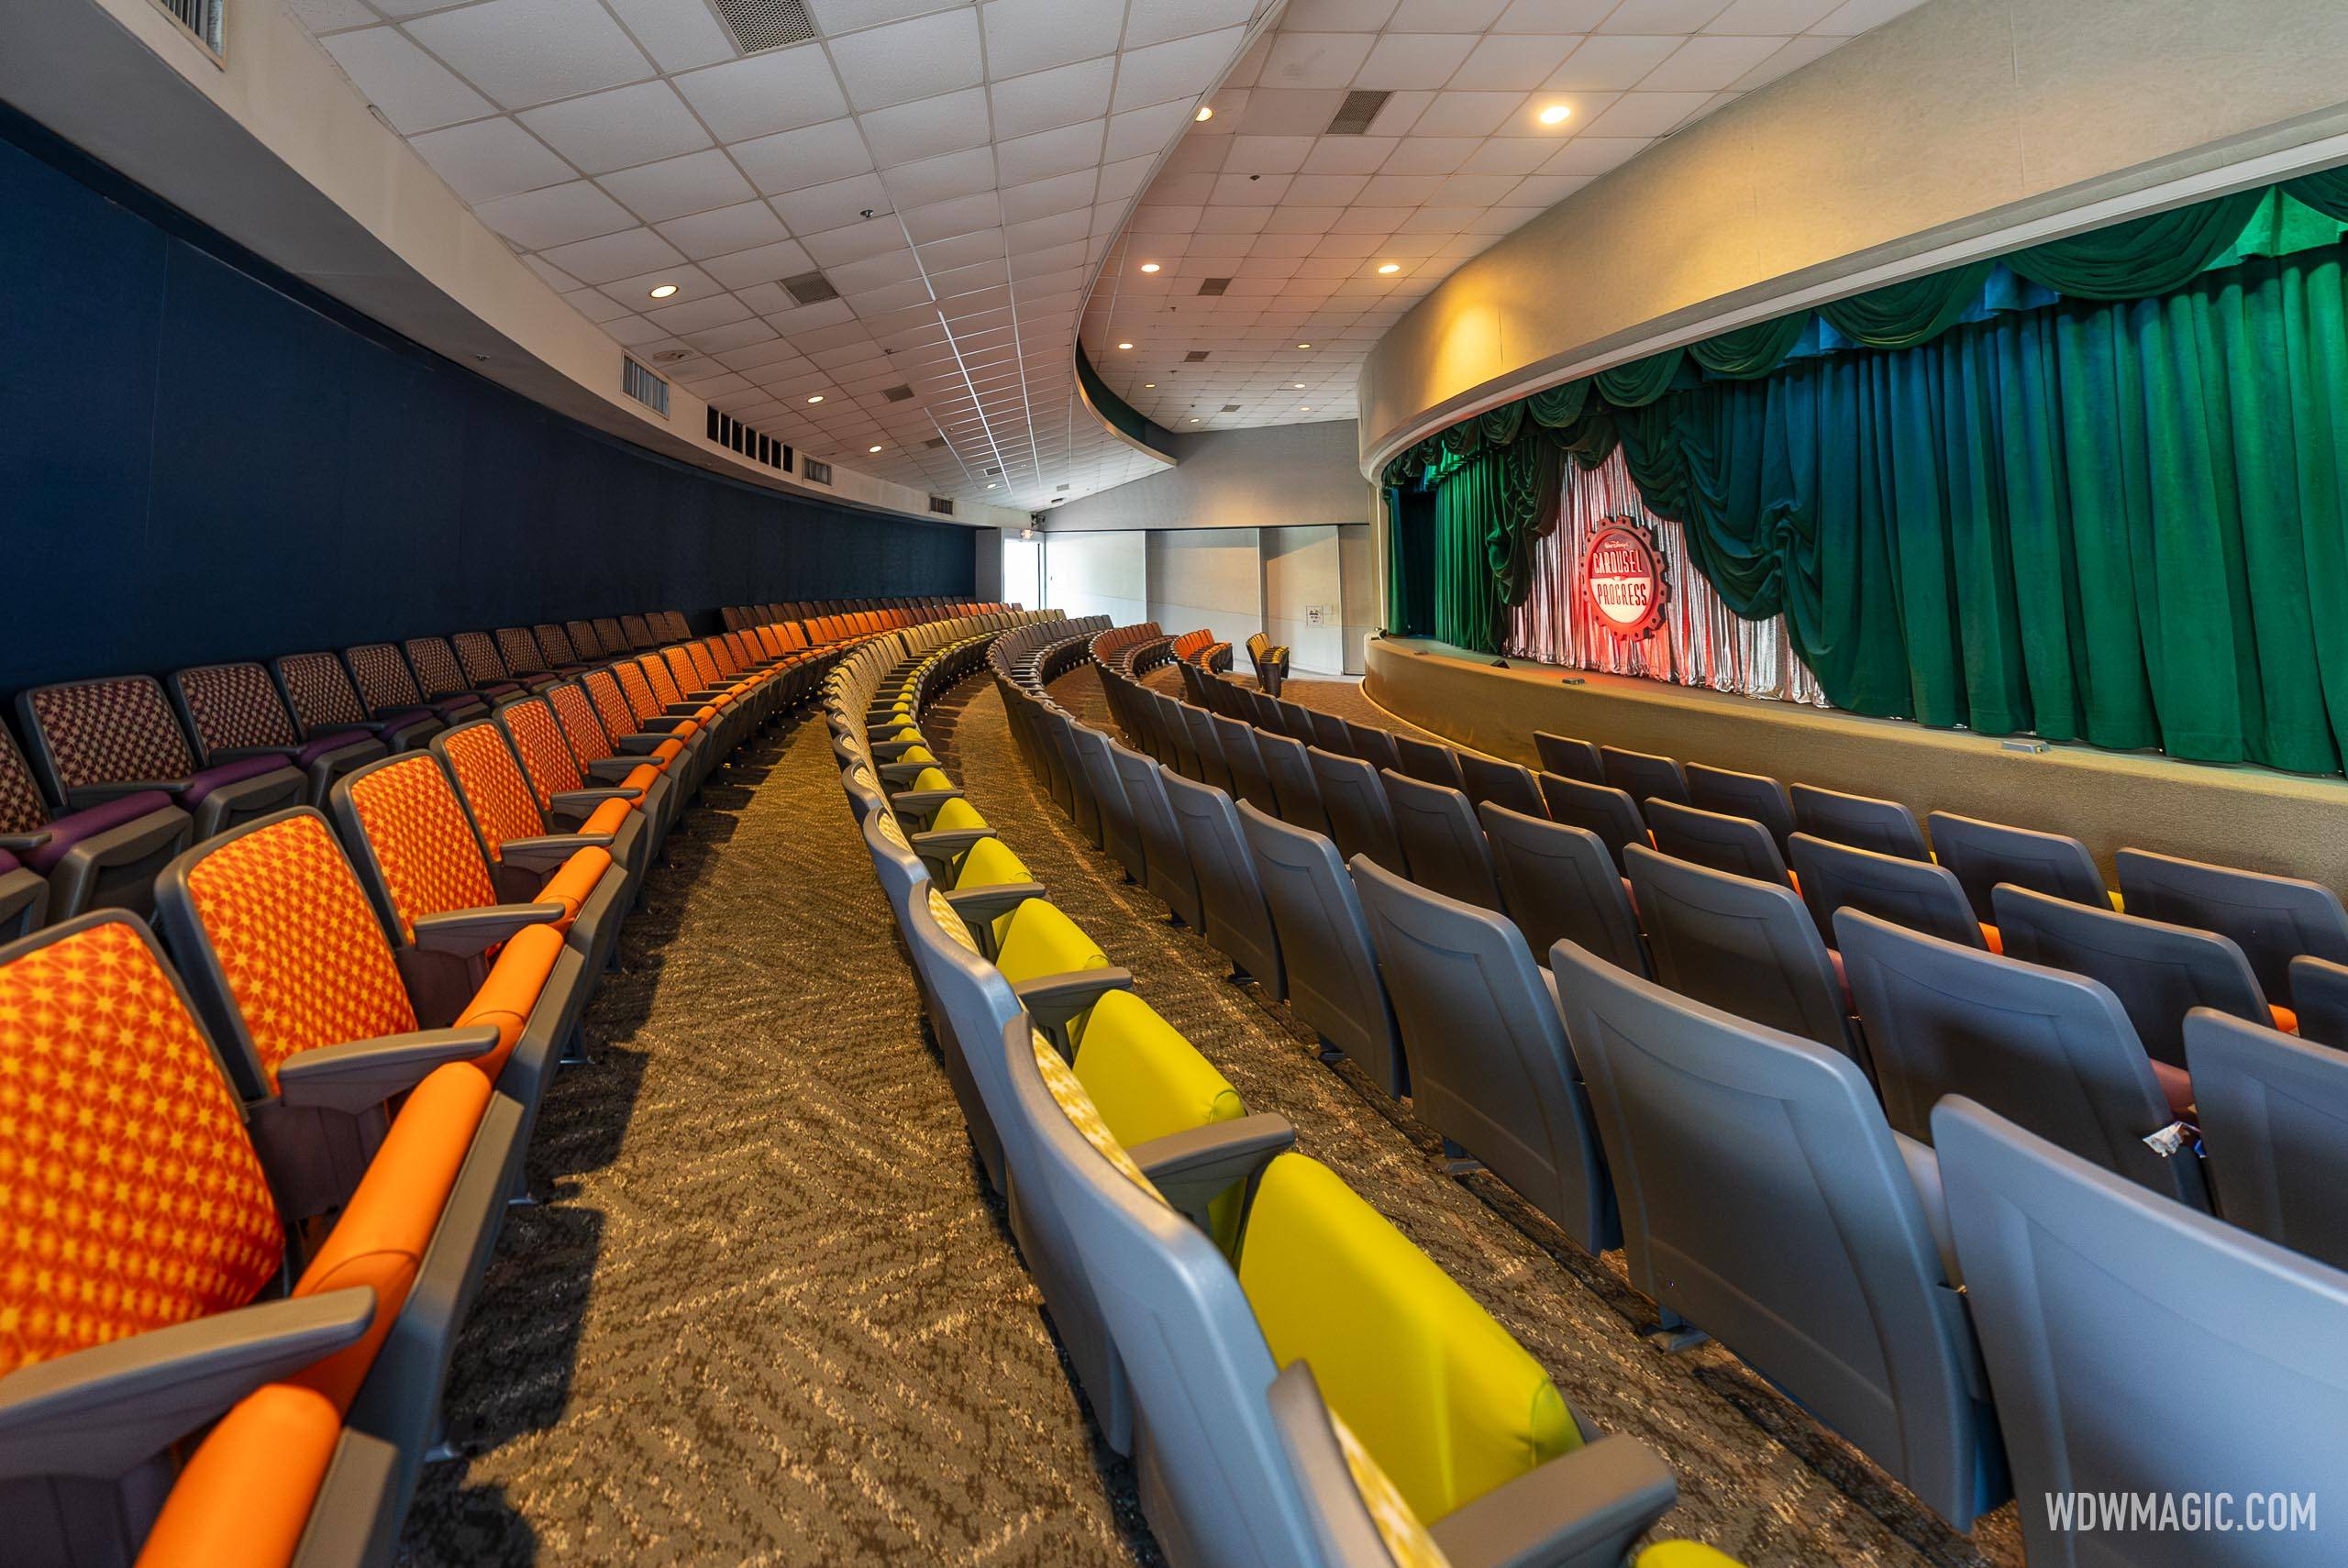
941	504
671	356
1360	107
810	288
760	25
1230	408
730	433
1059	487
995	472
1194	356
644	386
817	471
897	393
934	442
1214	286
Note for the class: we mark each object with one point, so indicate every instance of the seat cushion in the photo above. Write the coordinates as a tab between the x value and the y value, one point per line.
1036	940
607	817
577	879
1148	1082
990	864
192	793
956	815
505	998
71	829
245	1496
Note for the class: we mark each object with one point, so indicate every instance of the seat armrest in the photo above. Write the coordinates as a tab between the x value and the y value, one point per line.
613	767
982	904
1052	999
1581	1510
24	842
683	710
550	853
1192	1168
638	744
888	749
362	1074
938	846
675	717
922	803
465	933
82	795
221	754
582	803
102	1411
901	772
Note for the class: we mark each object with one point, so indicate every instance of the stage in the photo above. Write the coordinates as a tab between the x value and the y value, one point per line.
2234	815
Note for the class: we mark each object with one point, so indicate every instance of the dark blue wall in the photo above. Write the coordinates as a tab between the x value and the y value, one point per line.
202	458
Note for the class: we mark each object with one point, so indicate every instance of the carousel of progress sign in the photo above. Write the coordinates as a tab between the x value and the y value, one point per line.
1622	580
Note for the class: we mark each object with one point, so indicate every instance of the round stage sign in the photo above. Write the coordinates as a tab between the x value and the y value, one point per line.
1622	578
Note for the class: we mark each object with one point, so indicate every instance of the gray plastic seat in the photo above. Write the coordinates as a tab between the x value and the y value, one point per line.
1558	883
1442	844
1914	893
1163	851
1361	820
2319	994
1885	826
1746	948
1605	811
1229	897
1569	758
1734	794
1811	1250
1085	810
1236	738
1428	762
1205	741
2107	1316
2272	919
1644	775
1296	721
1489	1066
1510	784
2159	972
1264	713
1120	832
1297	792
2274	1116
1325	954
1372	744
1982	855
2054	1051
1738	845
1174	733
1330	734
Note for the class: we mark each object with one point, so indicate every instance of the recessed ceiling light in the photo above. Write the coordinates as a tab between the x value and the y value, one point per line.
1555	113
1148	386
989	484
872	448
1205	112
1298	386
1307	409
817	398
1305	345
1149	266
1390	267
1194	419
1124	345
664	290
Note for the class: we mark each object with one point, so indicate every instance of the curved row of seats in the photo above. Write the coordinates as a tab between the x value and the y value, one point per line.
1297	1384
1666	1060
253	1157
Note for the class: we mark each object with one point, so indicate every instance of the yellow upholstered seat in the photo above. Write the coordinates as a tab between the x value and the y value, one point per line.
1684	1554
990	864
1036	940
1148	1082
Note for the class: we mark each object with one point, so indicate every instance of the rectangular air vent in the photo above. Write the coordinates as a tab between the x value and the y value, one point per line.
934	442
994	473
760	25
1059	487
1214	286
1360	107
725	430
644	386
941	504
205	19
810	288
897	393
1230	408
1194	356
818	471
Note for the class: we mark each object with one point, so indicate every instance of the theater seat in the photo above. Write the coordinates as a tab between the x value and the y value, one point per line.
1230	901
1886	827
104	856
1602	808
1119	826
319	694
1326	952
628	810
1569	758
1509	784
1981	854
1738	845
1443	845
2272	919
95	741
234	712
446	677
2274	1116
389	686
1753	796
1744	946
1912	892
1165	855
524	847
1288	764
1644	775
1558	883
1361	818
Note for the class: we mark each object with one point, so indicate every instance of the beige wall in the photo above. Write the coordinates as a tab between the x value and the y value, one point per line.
1962	127
1097	574
1277	477
1304	572
1204	577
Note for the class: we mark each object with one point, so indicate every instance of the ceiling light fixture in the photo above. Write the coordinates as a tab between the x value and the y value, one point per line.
1150	386
1307	409
872	448
817	398
1555	113
1205	113
1305	345
1194	419
1124	345
1298	386
1390	268
1149	266
663	291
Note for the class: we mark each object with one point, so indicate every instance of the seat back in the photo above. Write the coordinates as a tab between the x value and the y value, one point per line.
613	635
2159	972
1558	883
1885	826
1083	810
1442	842
1510	784
2052	1050
436	669
1236	738
546	760
1213	769
519	651
1373	746
230	706
1746	948
2274	1118
1569	758
114	730
639	632
1601	809
1288	764
1644	775
22	810
581	727
1229	896
1490	1069
1982	855
1296	721
1360	819
382	674
2272	919
1806	1250
319	692
1120	829
1428	762
403	827
1752	795
1332	973
1914	893
478	656
1330	732
1738	845
488	778
1169	861
586	642
2319	994
2099	1305
554	649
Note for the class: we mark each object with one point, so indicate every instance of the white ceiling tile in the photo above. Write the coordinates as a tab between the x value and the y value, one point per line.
634	332
595	305
1268	154
785	259
1401	190
714	233
1050	153
1708	64
322	17
1509	155
1445	16
1594	154
1157	21
1662	15
555	215
692	184
1046	99
911	59
843	201
1319	190
610	256
927	128
942	178
1779	16
1122	178
1795	54
874	271
764	93
1547	190
1514	61
812	155
1145	133
1466	113
1314	60
528	51
1429	155
1349	154
1033	35
1858	16
1042	198
491	158
1183	69
677	34
833	17
1646	113
977	213
715	311
740	334
1401	113
626	126
551	273
415	92
1415	59
854	240
1610	64
1250	189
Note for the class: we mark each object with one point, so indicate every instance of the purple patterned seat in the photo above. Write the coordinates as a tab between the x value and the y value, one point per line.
639	632
235	715
434	660
95	740
388	686
105	856
586	641
516	650
324	704
562	654
484	671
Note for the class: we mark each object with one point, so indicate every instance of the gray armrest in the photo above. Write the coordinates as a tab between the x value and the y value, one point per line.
82	795
613	769
1581	1510
922	803
885	750
101	1411
977	904
1192	1169
901	772
549	853
360	1074
1923	1165
1052	999
24	842
638	744
682	710
467	932
674	718
581	804
938	846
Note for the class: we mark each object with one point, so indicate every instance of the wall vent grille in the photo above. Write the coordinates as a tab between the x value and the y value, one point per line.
818	471
725	430
897	393
761	25
1360	107
810	288
941	504
934	442
207	20
1194	356
1214	286
644	386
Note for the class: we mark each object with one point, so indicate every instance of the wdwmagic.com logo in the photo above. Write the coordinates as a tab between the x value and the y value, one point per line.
2191	1513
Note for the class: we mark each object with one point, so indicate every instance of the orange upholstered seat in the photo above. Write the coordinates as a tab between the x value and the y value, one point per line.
217	1517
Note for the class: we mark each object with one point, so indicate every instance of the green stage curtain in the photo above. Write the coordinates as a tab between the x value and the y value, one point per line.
1410	561
1642	380
1900	316
2144	256
1749	351
1470	504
